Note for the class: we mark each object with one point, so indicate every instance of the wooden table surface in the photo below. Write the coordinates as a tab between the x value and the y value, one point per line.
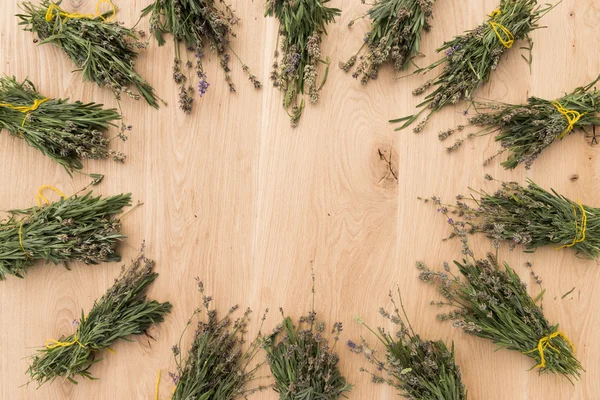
235	196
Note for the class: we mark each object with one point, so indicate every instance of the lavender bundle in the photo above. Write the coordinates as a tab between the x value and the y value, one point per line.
216	368
394	37
492	302
470	58
302	23
66	132
417	368
525	130
123	310
105	52
531	216
76	228
198	24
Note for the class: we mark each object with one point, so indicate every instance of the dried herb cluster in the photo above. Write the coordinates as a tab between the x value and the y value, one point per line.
123	310
198	24
531	216
66	132
302	23
105	52
216	367
492	302
525	130
470	58
77	228
394	37
418	369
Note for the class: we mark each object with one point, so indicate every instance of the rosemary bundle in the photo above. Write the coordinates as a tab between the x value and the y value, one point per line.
66	132
492	302
196	23
216	366
105	52
525	130
123	310
418	369
531	216
302	23
394	37
470	58
76	228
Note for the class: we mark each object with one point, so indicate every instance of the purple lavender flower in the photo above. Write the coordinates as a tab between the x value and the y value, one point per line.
450	221
174	378
203	85
294	63
351	344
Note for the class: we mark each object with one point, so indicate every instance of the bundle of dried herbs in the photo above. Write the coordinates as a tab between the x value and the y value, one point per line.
123	310
470	58
105	52
492	302
417	368
76	228
531	216
216	367
198	24
394	37
302	23
525	130
66	132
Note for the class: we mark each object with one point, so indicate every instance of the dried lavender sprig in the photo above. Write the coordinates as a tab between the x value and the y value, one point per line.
492	302
216	367
417	368
302	24
533	217
122	311
64	131
77	228
470	58
198	24
525	130
394	37
105	52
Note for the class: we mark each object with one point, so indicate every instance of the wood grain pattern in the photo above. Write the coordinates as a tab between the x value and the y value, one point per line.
235	196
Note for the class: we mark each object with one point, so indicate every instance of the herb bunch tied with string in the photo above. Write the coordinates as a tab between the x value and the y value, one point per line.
302	24
198	24
471	58
104	51
122	311
395	35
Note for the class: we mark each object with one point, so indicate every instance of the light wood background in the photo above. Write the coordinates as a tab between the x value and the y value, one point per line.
235	196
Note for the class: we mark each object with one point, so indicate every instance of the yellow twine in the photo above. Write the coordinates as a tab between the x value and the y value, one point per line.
26	109
62	13
572	117
545	342
157	385
504	35
53	344
40	196
21	240
583	227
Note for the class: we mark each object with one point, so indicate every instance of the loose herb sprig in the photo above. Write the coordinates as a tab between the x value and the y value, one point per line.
302	23
77	228
492	302
419	369
525	130
395	36
123	310
530	216
216	368
470	58
66	132
198	24
105	52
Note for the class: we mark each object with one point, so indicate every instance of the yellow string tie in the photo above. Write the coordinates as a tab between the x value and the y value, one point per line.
40	196
26	109
62	13
504	35
21	240
545	342
53	344
577	239
572	117
157	385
